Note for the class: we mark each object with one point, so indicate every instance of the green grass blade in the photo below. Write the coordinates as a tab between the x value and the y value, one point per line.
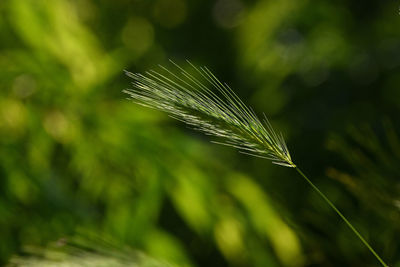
342	216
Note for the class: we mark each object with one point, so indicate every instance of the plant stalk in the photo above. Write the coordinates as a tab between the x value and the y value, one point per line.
342	216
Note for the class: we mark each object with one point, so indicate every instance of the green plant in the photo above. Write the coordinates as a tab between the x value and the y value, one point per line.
220	113
83	251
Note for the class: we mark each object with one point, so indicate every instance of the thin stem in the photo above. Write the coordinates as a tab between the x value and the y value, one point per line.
342	216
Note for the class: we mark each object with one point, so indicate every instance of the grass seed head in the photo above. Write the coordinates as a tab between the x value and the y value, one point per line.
203	102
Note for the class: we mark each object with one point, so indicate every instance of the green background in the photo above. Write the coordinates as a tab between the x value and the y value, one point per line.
76	156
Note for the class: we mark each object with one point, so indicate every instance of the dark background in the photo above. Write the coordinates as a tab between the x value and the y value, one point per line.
75	156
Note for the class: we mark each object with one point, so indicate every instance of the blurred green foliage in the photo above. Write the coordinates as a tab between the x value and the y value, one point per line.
83	251
74	154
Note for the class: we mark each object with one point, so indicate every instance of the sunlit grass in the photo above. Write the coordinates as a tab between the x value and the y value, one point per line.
210	106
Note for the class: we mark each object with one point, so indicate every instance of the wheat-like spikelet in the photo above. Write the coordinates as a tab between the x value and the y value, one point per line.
210	106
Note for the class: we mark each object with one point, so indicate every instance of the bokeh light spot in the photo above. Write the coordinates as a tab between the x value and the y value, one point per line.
228	13
24	86
12	115
170	13
57	126
138	35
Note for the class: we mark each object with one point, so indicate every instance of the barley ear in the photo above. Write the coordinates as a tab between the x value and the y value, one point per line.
206	104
